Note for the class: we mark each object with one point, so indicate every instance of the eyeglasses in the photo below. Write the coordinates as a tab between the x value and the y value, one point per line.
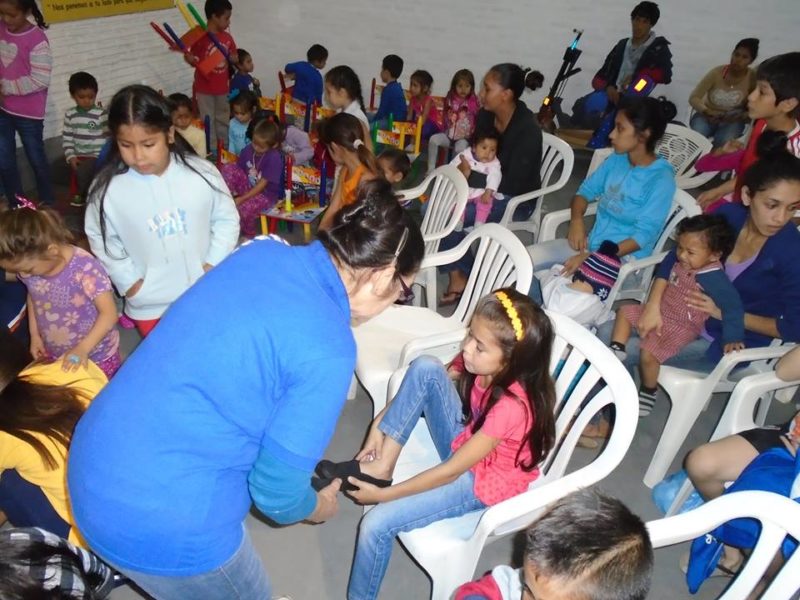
527	592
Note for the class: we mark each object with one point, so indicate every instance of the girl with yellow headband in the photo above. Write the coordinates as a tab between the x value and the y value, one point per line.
490	414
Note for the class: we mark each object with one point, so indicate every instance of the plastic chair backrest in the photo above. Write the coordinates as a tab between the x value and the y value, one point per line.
682	147
778	516
555	152
501	260
447	198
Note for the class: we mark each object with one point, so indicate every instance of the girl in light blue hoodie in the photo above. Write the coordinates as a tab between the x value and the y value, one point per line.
158	216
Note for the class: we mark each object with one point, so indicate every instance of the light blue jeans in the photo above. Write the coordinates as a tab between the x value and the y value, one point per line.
720	132
426	389
241	577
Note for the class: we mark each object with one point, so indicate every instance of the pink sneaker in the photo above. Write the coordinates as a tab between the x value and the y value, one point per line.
125	322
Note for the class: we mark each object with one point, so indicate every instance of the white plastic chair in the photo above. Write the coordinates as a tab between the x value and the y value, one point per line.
778	516
555	152
682	147
449	550
447	197
690	391
401	333
740	415
683	205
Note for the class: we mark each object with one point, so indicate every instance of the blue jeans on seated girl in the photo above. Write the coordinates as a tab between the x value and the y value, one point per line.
720	132
25	505
428	390
242	577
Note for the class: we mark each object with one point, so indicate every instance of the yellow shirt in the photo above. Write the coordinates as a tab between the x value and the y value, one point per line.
19	455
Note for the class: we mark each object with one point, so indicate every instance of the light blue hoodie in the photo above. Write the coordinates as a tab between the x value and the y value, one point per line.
162	229
634	202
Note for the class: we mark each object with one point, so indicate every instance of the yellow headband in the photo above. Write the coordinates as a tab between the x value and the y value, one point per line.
512	314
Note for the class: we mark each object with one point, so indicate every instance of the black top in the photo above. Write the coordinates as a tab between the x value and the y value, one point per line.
520	151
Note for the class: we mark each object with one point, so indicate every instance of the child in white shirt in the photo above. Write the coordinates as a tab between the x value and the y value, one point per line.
485	173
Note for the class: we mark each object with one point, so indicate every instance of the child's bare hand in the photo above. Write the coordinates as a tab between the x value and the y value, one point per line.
256	82
464	167
731	146
650	321
486	197
73	163
371	450
37	348
573	263
207	267
74	359
708	197
733	347
366	493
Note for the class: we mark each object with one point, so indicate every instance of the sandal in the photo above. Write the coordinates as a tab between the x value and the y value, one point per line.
326	471
450	298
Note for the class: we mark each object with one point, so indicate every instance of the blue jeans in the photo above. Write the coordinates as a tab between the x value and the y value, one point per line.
241	577
426	389
692	356
720	132
31	133
452	240
25	505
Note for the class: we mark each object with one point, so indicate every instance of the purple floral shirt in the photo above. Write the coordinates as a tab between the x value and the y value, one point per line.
63	305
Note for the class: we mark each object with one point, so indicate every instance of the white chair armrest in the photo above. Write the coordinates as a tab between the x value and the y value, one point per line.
415	192
551	221
694	179
630	267
446	257
446	343
515	201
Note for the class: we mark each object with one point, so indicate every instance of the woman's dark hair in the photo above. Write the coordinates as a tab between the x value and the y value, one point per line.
485	133
749	44
423	78
345	130
647	10
461	75
718	233
526	361
22	557
515	78
647	115
344	78
29	7
28	408
775	163
28	233
374	232
136	105
246	100
398	160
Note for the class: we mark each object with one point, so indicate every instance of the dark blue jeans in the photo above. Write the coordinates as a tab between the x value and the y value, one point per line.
31	133
25	505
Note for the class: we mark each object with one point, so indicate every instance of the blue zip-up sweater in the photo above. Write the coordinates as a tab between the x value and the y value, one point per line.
234	395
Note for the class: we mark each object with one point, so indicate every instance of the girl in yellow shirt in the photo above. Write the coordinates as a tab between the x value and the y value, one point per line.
39	407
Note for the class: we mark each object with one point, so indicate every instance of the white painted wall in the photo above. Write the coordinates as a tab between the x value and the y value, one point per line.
118	51
443	36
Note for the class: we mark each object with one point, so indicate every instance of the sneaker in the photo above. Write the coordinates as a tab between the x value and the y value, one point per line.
619	351
77	201
647	401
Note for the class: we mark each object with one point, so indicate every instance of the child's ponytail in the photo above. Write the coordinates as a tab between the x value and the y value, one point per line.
525	334
344	78
347	132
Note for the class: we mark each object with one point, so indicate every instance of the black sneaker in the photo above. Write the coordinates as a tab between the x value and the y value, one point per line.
647	400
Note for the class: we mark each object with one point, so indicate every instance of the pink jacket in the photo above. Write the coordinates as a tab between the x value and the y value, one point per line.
25	65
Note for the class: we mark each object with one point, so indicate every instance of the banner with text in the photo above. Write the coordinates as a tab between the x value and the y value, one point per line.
73	10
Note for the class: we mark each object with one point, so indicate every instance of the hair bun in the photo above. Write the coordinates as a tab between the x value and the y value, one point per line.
771	144
668	109
533	79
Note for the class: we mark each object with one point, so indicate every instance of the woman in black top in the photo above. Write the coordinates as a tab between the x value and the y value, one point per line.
520	156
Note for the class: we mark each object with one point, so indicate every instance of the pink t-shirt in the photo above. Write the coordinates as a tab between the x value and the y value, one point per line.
461	113
64	309
418	105
25	65
499	475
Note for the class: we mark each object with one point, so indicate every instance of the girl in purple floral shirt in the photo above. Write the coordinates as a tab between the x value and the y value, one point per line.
70	301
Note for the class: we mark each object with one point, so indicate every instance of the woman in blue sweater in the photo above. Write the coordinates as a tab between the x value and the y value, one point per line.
763	265
233	399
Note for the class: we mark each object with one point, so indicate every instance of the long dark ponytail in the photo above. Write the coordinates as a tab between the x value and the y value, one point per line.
347	132
28	408
137	105
344	78
526	361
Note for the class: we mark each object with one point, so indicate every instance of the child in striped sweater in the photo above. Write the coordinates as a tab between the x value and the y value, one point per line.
85	131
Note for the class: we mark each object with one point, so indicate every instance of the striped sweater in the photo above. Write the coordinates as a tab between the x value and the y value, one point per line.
85	131
25	65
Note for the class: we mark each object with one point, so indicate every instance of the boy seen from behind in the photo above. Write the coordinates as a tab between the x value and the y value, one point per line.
307	76
393	98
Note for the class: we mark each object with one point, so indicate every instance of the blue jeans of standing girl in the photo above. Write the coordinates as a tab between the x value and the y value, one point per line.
31	133
426	389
